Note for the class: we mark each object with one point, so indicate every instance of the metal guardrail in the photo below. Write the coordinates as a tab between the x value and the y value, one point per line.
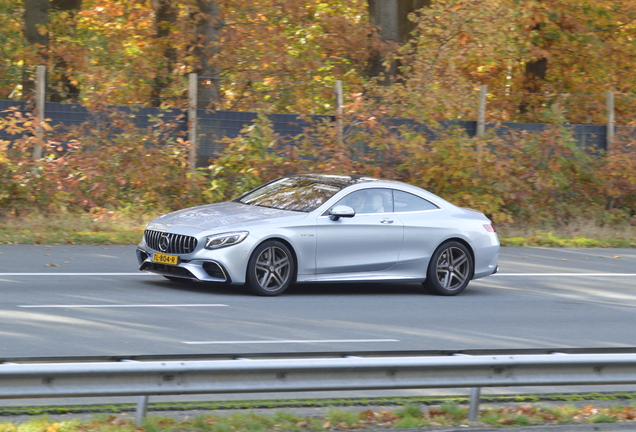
317	354
243	375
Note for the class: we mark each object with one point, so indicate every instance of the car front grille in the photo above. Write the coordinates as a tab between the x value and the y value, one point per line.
176	243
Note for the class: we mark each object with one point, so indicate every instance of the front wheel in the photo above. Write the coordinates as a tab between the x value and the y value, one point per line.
450	269
270	270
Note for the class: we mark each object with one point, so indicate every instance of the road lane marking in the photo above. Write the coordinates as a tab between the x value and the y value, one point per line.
78	274
567	274
152	274
290	341
121	306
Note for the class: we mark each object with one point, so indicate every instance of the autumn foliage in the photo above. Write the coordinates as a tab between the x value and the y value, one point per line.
523	177
547	61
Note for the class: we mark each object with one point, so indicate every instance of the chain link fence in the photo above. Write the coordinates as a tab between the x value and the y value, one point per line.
225	105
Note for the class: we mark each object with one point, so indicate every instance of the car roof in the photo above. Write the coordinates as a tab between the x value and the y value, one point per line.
342	180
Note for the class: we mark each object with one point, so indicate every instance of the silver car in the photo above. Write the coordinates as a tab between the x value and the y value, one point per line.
324	228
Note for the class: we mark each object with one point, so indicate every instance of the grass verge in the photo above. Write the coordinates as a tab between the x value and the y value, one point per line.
104	228
380	413
322	403
126	229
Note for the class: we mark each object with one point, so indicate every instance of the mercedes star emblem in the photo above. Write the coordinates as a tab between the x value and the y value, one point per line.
164	243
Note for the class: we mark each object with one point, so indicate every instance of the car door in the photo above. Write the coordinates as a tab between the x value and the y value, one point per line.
425	226
370	241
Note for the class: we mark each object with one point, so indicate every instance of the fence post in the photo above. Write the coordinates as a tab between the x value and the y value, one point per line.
40	97
192	119
609	134
337	86
481	111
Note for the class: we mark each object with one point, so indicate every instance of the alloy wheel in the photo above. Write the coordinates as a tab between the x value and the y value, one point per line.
273	268
452	268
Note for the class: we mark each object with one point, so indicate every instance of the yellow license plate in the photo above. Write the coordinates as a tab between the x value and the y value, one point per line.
165	259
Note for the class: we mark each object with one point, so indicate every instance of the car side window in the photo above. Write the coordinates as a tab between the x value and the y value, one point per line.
407	202
369	201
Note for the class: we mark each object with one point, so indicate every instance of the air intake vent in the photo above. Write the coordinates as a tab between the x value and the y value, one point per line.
170	243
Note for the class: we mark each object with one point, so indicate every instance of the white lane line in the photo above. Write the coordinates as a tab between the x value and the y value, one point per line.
567	274
152	274
290	341
78	274
121	306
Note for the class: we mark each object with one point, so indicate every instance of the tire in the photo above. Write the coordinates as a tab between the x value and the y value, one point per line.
271	269
179	279
450	269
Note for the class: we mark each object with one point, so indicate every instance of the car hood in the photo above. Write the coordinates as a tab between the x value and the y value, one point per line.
222	215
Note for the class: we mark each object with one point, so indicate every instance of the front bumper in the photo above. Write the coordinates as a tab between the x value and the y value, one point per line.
225	265
204	270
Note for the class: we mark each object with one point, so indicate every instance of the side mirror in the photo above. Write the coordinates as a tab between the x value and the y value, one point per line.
339	211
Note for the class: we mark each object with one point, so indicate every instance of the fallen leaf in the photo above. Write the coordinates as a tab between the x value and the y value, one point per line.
564	259
51	265
367	416
507	421
525	410
617	256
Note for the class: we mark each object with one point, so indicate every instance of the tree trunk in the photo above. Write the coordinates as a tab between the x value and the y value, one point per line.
36	15
208	25
534	75
165	17
62	89
391	19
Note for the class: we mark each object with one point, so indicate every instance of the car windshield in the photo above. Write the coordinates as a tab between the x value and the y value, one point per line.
293	193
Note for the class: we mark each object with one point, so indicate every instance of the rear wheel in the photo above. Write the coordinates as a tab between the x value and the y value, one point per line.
270	270
450	269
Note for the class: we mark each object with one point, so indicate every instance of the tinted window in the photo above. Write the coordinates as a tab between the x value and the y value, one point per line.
295	194
406	202
369	201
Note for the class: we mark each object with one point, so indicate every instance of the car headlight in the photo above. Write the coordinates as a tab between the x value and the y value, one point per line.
227	239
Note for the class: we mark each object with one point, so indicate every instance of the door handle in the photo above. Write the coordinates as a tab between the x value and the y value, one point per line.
386	221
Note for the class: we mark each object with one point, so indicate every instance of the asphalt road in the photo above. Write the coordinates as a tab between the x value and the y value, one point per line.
91	300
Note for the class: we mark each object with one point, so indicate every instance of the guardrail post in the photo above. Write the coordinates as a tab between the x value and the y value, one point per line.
142	410
473	412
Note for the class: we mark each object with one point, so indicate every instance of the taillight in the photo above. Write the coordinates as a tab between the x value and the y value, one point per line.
490	228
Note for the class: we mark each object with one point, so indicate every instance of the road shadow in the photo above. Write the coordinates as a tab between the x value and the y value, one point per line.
200	287
307	289
368	289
